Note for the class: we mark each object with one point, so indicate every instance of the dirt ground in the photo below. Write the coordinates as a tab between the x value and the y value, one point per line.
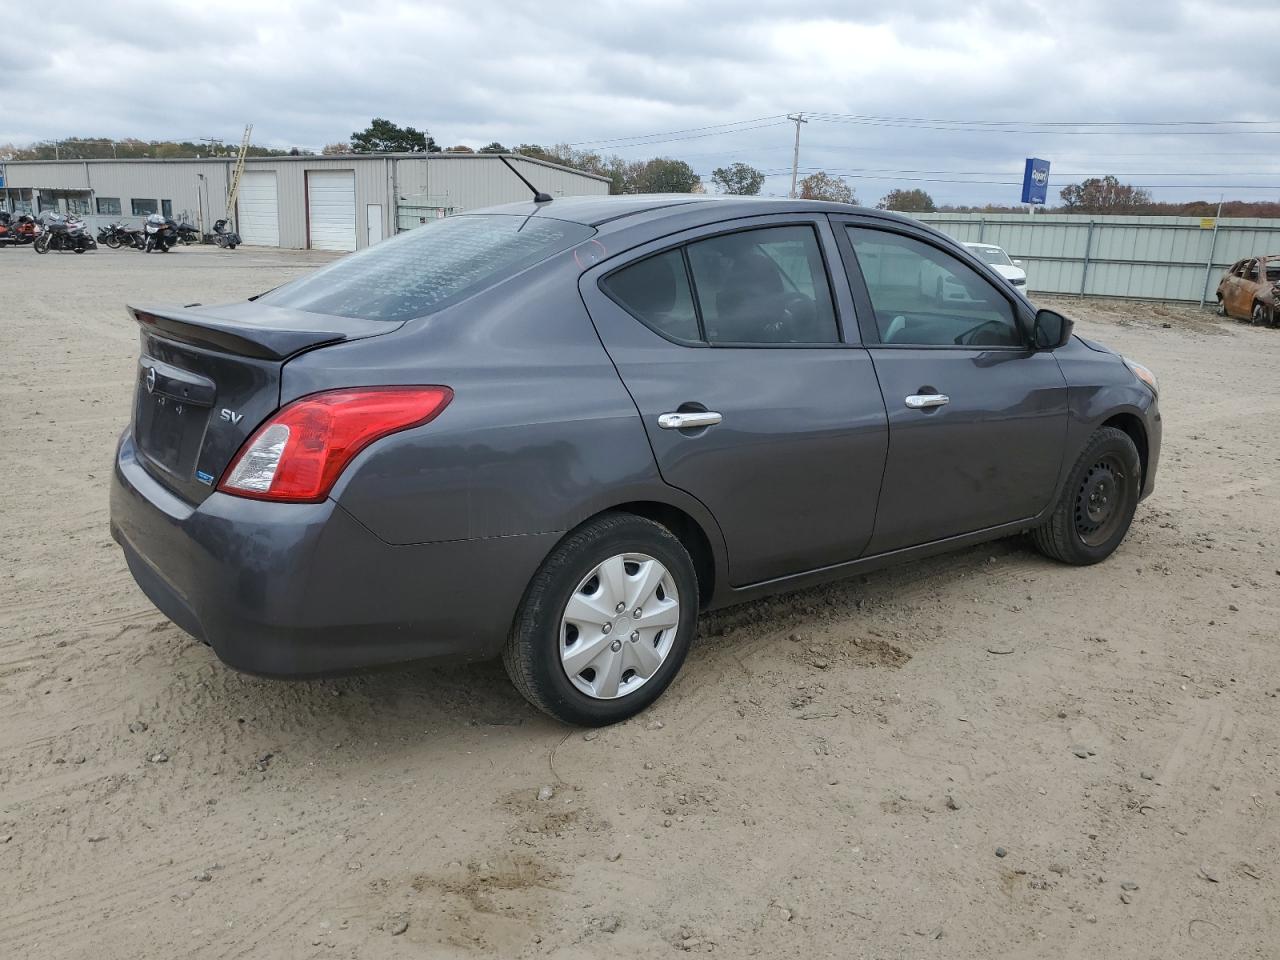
835	773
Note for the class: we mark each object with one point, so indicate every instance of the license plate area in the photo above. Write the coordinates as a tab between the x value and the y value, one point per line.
171	415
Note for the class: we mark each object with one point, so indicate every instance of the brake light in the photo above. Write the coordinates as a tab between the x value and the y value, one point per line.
298	454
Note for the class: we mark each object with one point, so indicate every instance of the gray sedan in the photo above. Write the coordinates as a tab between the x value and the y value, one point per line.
557	431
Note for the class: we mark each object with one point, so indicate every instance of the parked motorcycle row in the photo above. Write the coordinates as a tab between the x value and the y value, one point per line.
158	234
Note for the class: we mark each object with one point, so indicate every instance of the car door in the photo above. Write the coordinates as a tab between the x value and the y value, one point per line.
1237	292
729	341
977	419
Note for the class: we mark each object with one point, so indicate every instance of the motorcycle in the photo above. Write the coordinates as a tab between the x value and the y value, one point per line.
119	235
64	233
18	231
161	233
227	239
187	234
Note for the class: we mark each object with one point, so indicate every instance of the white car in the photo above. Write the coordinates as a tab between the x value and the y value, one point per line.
1011	270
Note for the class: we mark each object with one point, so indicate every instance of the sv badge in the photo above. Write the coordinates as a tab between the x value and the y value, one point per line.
230	416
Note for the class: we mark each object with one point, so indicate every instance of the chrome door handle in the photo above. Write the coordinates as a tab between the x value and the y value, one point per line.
922	401
685	421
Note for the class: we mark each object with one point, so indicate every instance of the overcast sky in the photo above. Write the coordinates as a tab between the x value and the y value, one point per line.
309	73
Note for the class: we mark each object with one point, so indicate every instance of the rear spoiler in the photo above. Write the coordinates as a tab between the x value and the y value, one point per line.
253	329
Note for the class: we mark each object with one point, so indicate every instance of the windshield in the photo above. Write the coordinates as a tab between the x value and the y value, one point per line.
992	255
429	267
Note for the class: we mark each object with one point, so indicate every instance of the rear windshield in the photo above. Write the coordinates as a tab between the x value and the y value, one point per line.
993	255
429	267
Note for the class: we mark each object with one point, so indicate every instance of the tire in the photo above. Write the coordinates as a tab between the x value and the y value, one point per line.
1261	316
80	249
1222	307
42	244
112	242
1097	503
543	636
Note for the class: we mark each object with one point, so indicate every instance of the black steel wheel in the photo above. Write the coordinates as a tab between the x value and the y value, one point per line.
1097	502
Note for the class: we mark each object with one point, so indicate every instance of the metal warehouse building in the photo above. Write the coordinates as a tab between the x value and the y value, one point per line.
324	203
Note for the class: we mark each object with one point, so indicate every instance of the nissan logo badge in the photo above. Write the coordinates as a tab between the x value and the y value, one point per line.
151	379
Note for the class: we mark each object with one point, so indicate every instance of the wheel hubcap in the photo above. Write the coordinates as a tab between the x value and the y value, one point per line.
634	595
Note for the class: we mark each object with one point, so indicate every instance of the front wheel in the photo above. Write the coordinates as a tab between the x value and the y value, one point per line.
1261	315
1222	307
605	623
1097	504
112	242
42	244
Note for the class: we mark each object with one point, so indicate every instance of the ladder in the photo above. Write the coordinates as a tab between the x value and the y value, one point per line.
235	174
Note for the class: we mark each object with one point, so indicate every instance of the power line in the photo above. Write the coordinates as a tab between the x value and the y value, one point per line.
1047	123
675	134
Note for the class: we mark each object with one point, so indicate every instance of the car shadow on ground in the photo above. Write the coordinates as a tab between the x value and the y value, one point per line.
410	705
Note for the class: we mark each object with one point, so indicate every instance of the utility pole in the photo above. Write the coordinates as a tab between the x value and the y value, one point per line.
795	156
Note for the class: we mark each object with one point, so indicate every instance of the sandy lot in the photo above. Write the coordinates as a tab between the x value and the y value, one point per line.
831	776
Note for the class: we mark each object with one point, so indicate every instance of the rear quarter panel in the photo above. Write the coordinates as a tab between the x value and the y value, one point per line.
539	436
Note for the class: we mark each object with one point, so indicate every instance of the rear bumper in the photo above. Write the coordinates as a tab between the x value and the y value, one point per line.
304	589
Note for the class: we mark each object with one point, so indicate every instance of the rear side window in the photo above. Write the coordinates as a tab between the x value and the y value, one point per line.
428	268
656	290
763	286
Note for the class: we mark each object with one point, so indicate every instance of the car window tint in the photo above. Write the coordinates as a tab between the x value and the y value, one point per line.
763	286
656	290
429	267
924	296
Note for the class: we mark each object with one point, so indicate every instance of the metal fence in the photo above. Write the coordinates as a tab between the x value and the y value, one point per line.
410	215
1143	258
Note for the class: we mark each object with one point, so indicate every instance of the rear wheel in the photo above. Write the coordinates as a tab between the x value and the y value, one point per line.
112	241
1261	315
606	622
1098	502
42	244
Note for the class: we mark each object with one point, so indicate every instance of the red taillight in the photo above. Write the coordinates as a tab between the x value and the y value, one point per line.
298	454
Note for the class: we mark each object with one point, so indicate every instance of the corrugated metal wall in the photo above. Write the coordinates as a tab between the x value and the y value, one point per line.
1150	258
465	181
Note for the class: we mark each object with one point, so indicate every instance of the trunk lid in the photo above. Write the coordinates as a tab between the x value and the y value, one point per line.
208	376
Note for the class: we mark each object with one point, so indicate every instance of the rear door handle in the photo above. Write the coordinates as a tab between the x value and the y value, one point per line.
922	401
685	421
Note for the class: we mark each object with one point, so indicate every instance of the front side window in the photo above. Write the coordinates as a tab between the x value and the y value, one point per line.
109	206
144	208
428	268
763	286
925	297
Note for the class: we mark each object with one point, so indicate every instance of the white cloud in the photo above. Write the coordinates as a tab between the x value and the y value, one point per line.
309	73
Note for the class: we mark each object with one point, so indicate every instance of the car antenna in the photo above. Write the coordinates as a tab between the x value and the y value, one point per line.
538	195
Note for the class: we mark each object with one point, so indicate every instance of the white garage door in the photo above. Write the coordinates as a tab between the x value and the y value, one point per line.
259	208
331	204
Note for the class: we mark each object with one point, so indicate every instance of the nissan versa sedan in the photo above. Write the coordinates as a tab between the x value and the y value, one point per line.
557	431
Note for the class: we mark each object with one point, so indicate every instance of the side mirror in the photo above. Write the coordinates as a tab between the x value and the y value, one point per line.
1017	263
1051	330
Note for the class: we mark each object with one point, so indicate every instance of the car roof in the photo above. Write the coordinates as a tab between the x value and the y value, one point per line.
595	211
